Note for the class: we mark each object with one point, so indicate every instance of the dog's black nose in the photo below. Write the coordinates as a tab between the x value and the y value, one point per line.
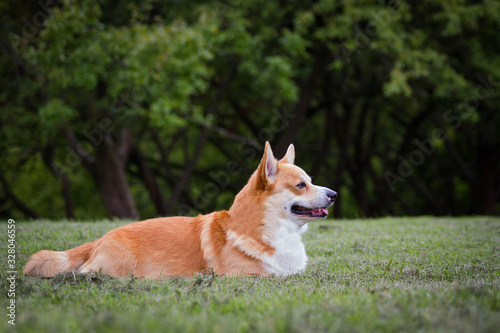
332	195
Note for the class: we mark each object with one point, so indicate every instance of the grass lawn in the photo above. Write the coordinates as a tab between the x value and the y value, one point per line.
386	275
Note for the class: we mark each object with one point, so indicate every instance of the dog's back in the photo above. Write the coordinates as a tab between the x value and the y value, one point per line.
163	246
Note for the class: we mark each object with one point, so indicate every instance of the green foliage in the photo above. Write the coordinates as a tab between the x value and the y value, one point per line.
55	115
381	76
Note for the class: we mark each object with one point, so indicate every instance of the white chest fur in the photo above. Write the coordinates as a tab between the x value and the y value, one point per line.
289	256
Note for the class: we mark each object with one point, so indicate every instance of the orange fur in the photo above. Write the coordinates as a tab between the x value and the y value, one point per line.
231	242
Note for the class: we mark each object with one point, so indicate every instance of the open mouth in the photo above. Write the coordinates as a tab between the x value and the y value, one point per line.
317	213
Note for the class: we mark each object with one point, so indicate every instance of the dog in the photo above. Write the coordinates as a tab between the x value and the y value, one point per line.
259	235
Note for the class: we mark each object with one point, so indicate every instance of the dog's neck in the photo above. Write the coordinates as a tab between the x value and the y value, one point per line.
247	211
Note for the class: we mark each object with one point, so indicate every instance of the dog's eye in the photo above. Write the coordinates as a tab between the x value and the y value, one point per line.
301	185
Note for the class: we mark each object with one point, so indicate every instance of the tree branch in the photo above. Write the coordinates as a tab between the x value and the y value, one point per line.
230	135
18	64
87	160
199	146
124	145
15	200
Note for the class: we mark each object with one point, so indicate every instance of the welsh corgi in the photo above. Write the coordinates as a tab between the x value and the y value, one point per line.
259	235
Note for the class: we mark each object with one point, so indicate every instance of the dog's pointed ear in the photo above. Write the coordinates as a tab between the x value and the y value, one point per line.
289	156
268	167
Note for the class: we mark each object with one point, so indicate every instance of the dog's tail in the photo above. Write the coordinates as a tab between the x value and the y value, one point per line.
49	263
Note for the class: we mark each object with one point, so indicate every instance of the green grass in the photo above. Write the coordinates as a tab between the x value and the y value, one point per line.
386	275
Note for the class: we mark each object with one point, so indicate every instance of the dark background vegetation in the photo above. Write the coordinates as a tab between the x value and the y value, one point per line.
147	108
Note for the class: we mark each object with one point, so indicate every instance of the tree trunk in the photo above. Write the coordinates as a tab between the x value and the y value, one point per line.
108	170
342	133
110	176
486	156
150	181
48	160
302	106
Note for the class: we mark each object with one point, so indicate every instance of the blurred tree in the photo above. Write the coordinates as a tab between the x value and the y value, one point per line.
391	103
103	78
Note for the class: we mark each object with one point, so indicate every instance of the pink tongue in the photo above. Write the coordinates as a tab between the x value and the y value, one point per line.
319	211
